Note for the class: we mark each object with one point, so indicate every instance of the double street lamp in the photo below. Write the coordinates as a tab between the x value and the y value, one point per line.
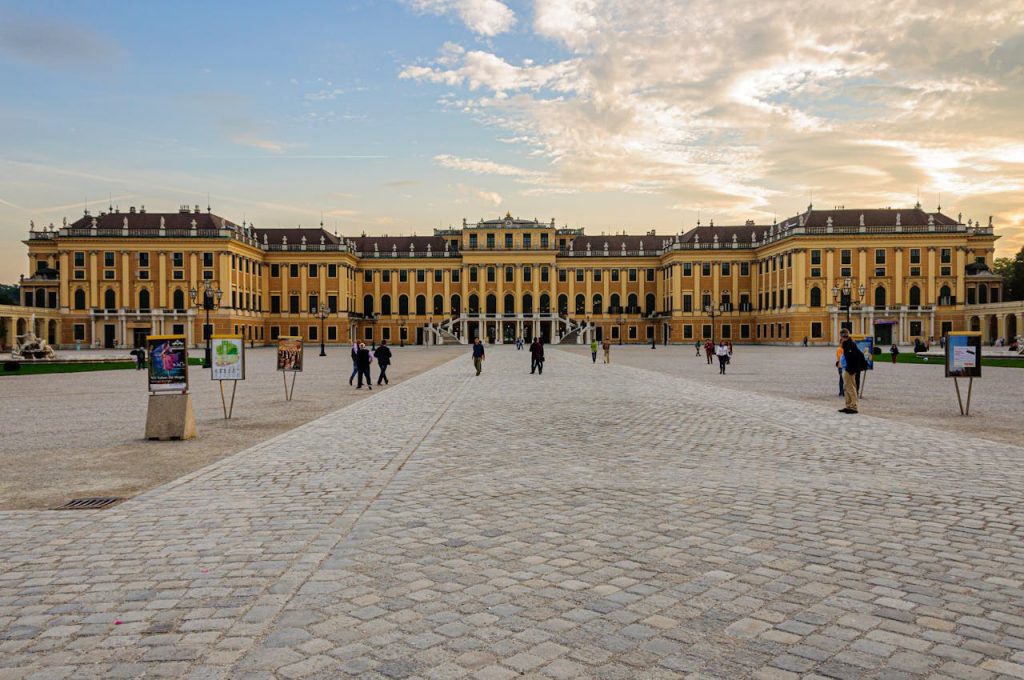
208	299
402	330
713	311
322	313
844	297
622	322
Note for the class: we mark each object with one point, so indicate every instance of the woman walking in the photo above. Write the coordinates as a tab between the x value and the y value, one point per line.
723	357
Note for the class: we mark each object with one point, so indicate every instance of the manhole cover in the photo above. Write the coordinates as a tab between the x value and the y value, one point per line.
88	503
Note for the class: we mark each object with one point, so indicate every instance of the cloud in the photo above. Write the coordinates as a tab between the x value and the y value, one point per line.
55	43
485	17
324	95
747	109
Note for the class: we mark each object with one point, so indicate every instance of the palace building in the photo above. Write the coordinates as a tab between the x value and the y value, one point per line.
107	280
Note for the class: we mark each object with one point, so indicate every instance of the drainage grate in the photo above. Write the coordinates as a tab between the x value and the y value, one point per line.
88	503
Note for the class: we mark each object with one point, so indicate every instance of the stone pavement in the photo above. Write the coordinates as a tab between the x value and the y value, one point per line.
596	521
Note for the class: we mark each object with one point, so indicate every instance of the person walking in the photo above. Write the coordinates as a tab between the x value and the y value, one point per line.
593	351
696	346
537	357
607	347
383	355
855	363
363	361
723	357
478	355
355	364
709	351
894	351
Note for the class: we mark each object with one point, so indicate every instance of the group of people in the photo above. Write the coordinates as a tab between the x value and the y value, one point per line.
536	355
723	351
362	359
606	346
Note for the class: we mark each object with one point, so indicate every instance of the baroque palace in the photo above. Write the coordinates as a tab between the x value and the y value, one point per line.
109	279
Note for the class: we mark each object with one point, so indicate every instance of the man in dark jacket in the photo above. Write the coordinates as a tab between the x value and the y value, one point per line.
383	354
537	356
363	361
855	363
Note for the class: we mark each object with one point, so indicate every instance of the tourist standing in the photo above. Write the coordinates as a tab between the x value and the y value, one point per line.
696	346
383	355
355	364
723	357
607	347
363	361
855	363
593	351
537	357
894	351
709	351
478	355
840	365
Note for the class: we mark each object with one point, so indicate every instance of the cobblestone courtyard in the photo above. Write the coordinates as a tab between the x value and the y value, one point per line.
596	521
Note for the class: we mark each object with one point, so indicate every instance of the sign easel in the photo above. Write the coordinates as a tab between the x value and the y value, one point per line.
169	415
963	360
866	345
228	363
289	360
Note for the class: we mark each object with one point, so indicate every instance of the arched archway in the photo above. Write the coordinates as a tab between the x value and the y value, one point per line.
563	304
474	304
178	299
815	296
367	305
614	303
975	324
545	303
509	304
421	305
880	296
492	304
581	303
438	304
110	299
51	334
79	299
993	328
632	303
385	305
144	300
945	295
403	305
527	304
650	303
914	297
1011	327
20	327
456	304
598	300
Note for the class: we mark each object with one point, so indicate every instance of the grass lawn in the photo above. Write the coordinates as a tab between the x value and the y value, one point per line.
908	358
36	369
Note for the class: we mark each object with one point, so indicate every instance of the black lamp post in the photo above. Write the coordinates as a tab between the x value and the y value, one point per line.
713	311
843	296
322	313
622	322
209	299
401	331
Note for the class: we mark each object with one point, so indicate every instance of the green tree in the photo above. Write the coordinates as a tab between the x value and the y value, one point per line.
10	294
1011	269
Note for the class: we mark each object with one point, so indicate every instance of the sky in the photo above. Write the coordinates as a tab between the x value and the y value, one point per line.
401	116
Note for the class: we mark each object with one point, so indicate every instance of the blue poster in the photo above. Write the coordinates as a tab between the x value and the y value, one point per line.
866	344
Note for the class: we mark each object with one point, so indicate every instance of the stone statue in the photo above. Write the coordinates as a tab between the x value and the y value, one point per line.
29	346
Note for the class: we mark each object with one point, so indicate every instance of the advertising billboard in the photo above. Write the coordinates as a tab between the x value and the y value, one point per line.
228	358
963	355
289	353
168	363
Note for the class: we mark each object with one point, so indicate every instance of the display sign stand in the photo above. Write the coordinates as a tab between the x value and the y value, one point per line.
169	414
288	392
964	411
228	365
228	409
866	344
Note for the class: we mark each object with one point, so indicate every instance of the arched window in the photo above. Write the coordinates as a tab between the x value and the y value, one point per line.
880	296
632	303
945	295
649	303
510	304
385	305
492	304
367	305
144	300
581	303
403	305
178	299
915	296
527	304
79	299
474	304
438	304
110	299
563	304
421	305
994	294
456	304
982	294
597	305
614	303
815	297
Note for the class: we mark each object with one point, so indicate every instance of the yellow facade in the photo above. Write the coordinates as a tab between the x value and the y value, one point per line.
115	277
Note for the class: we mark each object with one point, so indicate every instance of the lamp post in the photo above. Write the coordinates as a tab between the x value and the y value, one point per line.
844	297
322	313
622	322
401	331
209	299
713	311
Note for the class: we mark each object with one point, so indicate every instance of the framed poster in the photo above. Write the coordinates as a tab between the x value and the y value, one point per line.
866	344
289	353
228	358
168	363
963	354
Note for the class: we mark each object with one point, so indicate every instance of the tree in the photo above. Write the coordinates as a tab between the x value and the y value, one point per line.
10	294
1011	269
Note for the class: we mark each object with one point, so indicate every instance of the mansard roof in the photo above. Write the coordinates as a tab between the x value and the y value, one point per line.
615	241
294	235
364	244
707	233
152	220
842	217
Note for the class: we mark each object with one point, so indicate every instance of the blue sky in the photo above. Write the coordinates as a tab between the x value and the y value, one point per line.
401	116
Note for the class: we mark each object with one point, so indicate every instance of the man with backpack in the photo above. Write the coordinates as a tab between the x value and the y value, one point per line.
854	363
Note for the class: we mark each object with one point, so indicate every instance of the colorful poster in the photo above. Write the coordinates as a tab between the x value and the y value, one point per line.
866	344
963	355
168	363
228	358
289	353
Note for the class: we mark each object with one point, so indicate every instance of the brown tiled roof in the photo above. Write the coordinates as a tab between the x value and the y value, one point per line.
615	242
294	235
385	244
707	234
150	220
872	218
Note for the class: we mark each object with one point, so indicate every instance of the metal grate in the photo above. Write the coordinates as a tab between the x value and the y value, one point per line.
88	503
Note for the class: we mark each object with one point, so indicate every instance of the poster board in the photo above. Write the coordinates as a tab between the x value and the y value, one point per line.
866	345
168	363
289	353
228	352
963	354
